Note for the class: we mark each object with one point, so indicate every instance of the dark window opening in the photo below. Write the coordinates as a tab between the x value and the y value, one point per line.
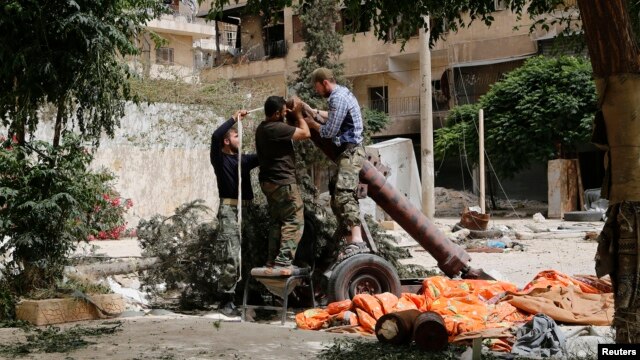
379	99
275	45
353	23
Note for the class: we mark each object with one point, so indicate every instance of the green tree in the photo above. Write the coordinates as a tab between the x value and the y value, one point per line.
538	112
322	47
611	29
44	209
68	53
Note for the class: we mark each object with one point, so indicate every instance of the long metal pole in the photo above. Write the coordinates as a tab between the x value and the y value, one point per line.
426	126
481	141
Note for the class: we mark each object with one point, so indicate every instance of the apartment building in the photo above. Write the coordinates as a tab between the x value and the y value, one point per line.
180	43
384	77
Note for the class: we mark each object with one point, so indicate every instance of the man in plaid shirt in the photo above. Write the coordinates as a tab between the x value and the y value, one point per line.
343	124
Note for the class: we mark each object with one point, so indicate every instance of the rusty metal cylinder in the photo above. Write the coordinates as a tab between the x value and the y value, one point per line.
396	328
429	332
452	259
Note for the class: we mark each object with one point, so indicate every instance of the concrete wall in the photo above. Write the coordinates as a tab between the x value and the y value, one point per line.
160	156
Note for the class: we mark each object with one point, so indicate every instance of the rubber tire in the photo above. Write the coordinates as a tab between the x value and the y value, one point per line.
361	266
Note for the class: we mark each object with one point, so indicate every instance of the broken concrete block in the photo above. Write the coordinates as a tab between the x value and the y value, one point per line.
539	218
390	225
524	236
56	311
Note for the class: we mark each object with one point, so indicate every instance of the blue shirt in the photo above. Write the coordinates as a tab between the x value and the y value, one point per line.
345	120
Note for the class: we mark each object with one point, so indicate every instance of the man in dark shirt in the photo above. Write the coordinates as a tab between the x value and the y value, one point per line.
224	158
278	178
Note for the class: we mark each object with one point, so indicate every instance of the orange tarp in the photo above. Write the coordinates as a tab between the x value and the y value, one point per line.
474	305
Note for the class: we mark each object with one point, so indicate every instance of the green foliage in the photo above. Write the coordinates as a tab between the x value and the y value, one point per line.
223	95
7	302
322	47
68	53
538	112
46	194
374	122
184	246
459	136
354	348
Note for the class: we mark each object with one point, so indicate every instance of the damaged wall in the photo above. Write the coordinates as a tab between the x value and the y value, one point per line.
160	156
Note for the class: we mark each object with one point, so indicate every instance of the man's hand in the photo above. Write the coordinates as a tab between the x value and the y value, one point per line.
240	114
297	106
308	109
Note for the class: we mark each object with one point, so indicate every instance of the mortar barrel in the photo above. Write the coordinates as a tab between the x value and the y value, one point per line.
396	328
451	257
429	332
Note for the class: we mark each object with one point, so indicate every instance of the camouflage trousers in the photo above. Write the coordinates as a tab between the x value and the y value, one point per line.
227	247
617	255
344	186
287	221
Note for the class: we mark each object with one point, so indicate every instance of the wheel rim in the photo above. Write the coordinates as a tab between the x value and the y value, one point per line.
364	284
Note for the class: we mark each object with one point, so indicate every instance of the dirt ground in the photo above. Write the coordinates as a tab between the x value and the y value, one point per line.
183	337
572	255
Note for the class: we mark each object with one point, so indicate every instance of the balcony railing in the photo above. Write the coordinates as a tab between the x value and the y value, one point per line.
276	49
397	106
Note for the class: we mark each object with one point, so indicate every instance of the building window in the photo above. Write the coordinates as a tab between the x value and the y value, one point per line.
230	33
350	24
378	99
164	56
499	4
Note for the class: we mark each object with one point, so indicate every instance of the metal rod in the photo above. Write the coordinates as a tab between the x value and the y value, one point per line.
481	141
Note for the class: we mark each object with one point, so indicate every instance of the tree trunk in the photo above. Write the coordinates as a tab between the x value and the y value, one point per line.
615	58
218	55
107	269
58	126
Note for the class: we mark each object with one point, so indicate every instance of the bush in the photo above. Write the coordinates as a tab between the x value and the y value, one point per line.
47	197
538	112
106	221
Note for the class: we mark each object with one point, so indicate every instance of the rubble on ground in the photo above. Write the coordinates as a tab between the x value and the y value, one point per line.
450	203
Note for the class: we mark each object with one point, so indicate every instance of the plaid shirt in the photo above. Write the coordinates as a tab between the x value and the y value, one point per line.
345	121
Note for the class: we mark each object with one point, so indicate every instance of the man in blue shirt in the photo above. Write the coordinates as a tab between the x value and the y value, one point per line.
343	124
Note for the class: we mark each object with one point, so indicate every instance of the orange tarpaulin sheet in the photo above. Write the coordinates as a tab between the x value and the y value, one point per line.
554	278
465	304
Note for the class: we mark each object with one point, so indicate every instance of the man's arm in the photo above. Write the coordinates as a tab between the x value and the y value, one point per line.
216	140
215	153
302	129
318	115
338	111
250	161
